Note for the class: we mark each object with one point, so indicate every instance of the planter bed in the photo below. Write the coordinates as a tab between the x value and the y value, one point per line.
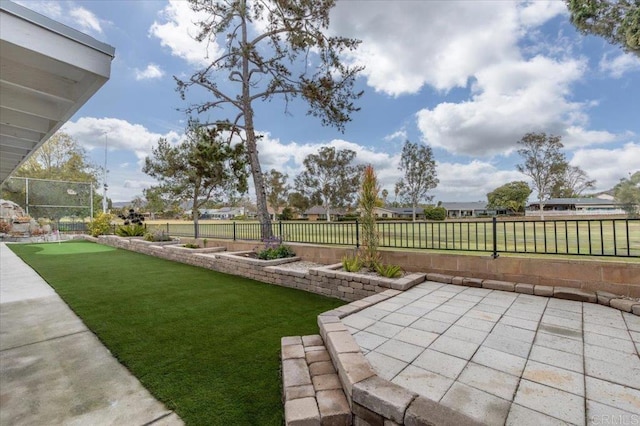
183	249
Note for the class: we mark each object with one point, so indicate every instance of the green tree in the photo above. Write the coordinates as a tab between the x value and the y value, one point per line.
287	55
512	195
161	205
627	193
618	21
420	176
330	178
385	196
61	159
544	163
299	202
435	213
572	183
276	189
201	167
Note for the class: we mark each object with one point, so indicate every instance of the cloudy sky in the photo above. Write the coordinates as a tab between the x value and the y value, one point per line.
469	78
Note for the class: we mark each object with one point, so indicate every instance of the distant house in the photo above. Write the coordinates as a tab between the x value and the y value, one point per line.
320	213
224	213
575	206
398	212
470	209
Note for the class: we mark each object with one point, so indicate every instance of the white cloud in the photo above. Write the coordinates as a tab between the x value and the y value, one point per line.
399	135
619	65
535	13
120	135
48	8
75	16
86	19
509	99
471	181
150	72
578	137
608	166
177	31
458	181
406	45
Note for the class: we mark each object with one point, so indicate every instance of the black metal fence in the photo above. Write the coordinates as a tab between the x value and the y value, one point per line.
599	237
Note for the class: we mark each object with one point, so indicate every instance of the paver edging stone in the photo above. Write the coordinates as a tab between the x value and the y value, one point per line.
320	402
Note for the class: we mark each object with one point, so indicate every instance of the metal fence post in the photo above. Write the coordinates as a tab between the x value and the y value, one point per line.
280	230
357	235
234	231
495	238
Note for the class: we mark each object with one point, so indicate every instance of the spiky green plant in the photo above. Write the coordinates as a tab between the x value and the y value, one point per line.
130	230
368	202
388	271
351	263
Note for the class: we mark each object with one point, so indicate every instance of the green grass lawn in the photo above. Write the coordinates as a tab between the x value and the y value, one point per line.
204	343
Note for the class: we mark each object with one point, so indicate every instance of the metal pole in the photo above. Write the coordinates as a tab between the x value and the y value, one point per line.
26	186
104	187
495	238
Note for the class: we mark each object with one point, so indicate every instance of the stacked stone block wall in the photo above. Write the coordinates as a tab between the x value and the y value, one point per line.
619	276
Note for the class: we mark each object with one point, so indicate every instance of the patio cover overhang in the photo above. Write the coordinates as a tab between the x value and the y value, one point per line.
47	72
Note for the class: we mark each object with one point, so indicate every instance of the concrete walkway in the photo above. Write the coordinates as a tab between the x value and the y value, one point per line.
53	370
506	358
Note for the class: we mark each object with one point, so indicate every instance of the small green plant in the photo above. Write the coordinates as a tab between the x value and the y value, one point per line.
388	271
274	249
204	242
100	225
351	263
130	230
192	246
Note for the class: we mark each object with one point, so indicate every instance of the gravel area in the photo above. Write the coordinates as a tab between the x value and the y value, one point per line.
300	266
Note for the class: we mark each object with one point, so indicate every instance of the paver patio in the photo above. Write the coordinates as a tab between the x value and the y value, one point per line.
506	358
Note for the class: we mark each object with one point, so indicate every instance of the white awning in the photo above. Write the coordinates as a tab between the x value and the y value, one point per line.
47	72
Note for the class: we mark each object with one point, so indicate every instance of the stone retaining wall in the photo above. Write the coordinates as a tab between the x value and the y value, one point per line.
325	280
616	276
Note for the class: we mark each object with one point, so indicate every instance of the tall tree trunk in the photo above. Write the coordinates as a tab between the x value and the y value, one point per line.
252	147
414	212
195	215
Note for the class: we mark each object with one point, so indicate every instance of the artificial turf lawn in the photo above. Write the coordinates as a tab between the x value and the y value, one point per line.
204	343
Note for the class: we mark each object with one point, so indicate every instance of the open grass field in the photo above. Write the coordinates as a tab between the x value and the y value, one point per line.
204	343
607	237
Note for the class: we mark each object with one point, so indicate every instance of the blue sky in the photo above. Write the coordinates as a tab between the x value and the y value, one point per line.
469	78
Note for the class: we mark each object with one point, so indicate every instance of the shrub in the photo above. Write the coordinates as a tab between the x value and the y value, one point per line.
351	263
287	214
130	230
5	227
274	249
279	252
388	271
100	225
435	213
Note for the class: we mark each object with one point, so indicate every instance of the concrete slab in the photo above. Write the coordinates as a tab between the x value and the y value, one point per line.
479	405
53	370
513	358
